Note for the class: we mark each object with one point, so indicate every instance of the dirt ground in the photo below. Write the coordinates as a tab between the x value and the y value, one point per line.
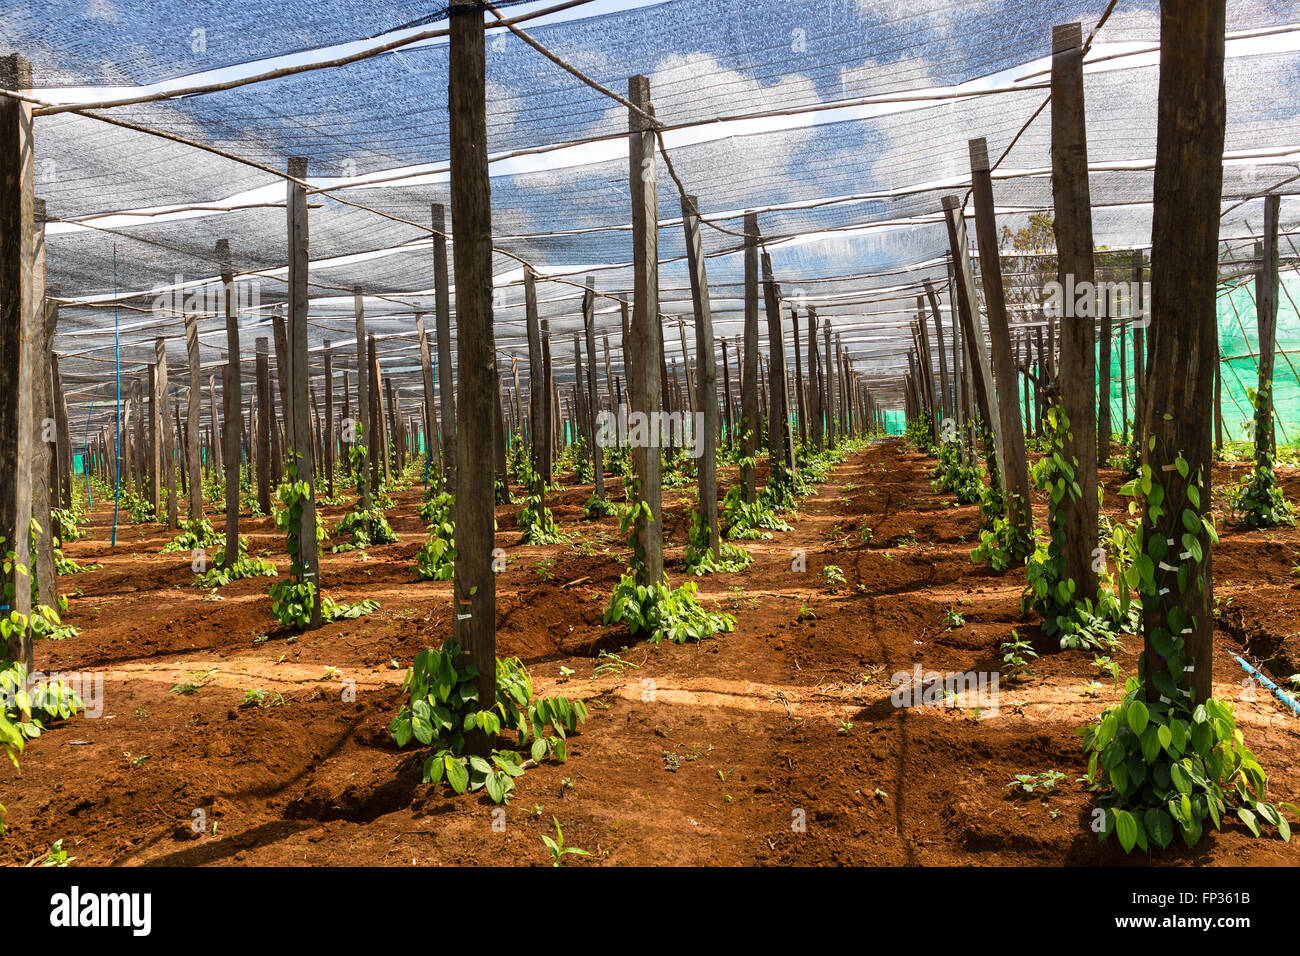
703	754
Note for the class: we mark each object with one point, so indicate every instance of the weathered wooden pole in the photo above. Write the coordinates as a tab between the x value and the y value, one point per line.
538	430
167	440
230	396
826	366
945	404
1191	117
550	406
781	455
1266	317
726	394
471	210
643	353
706	374
21	305
800	405
193	409
1078	373
593	401
442	322
283	362
749	414
1015	469
426	374
330	449
1139	306
1104	305
815	391
263	375
363	423
299	371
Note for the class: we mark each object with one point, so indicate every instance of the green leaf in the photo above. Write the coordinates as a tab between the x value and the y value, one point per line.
1159	826
1138	715
1127	829
457	775
1248	818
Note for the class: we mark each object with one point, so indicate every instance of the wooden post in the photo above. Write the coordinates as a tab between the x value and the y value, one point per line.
1140	353
20	314
426	373
230	396
1104	304
215	427
827	367
749	424
165	441
302	439
778	422
1191	117
706	374
643	353
283	363
815	391
800	406
263	373
593	401
374	415
1266	318
539	431
471	211
1015	470
945	403
45	435
442	322
193	408
329	420
363	423
550	406
726	394
1073	229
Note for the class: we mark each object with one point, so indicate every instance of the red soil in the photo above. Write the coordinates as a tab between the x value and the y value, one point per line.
699	754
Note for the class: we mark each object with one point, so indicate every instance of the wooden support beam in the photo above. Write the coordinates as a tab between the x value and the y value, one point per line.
442	321
707	373
299	372
593	400
977	356
430	401
474	603
1015	469
193	409
778	419
749	413
230	396
1191	118
363	423
330	448
1266	285
166	439
816	394
644	351
538	429
263	373
1073	228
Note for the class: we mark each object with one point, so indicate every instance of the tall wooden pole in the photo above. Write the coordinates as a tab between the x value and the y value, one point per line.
643	354
426	373
778	423
442	321
230	395
706	374
329	420
1014	466
263	375
362	423
471	210
593	401
1191	117
538	429
749	414
1266	317
303	438
1073	228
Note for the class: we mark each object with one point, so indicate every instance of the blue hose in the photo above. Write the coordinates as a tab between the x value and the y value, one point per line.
1278	692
